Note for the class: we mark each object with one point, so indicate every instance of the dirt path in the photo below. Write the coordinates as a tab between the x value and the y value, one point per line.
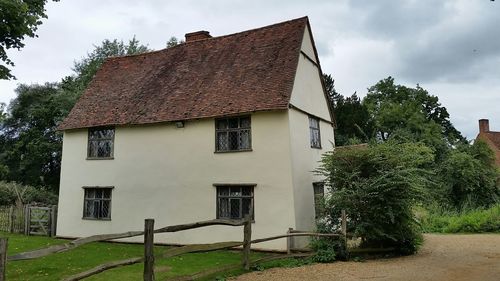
443	257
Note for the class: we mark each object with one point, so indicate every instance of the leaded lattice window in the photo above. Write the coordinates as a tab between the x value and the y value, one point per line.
97	203
234	202
233	134
101	142
319	195
314	132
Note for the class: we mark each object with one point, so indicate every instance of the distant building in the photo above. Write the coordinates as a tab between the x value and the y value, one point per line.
490	137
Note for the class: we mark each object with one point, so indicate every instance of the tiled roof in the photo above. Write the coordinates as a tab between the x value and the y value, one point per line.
239	73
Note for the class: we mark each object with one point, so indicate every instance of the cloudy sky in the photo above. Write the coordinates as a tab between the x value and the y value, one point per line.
449	47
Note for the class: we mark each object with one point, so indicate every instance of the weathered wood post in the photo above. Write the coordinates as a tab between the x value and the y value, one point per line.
11	219
247	238
344	228
289	242
149	258
53	220
3	257
27	219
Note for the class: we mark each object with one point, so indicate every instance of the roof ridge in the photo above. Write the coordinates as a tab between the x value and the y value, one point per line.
211	38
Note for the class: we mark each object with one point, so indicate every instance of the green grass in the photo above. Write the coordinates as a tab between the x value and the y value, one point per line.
467	221
57	266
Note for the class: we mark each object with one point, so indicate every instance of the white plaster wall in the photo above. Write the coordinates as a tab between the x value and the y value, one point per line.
307	45
307	93
166	173
308	96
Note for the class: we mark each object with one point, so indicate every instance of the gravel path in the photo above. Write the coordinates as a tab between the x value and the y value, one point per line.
442	257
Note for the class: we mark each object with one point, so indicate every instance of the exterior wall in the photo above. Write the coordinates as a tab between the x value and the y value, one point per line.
166	173
307	93
484	137
308	96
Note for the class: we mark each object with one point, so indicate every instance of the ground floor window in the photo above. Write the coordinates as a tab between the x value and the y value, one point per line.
97	203
319	195
233	202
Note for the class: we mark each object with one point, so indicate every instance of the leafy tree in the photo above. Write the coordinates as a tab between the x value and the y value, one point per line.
173	41
469	176
20	18
377	185
30	146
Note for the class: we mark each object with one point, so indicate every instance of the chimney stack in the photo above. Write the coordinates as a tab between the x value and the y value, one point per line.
484	125
198	35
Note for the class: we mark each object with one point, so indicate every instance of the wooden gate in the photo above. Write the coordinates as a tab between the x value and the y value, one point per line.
40	220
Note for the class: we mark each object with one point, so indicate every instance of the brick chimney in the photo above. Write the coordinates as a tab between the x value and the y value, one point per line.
198	35
484	125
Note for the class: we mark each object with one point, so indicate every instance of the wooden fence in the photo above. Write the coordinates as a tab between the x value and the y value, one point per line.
149	256
12	219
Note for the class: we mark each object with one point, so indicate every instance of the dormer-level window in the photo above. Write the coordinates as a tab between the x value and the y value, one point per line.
233	134
314	132
101	143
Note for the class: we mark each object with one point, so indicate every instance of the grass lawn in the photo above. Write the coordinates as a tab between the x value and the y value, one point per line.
57	266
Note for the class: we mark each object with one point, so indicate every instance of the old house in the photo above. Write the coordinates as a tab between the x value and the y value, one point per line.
491	138
200	131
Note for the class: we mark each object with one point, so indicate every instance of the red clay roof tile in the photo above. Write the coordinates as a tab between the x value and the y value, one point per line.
238	73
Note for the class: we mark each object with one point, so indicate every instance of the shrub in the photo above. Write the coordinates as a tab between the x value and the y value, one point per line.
465	221
13	193
377	186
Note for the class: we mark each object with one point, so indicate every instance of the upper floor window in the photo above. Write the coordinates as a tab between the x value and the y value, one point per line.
101	143
314	132
97	203
233	134
233	202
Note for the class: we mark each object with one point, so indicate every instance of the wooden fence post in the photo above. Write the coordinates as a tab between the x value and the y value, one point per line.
289	242
247	240
344	228
11	219
3	257
27	219
53	220
149	258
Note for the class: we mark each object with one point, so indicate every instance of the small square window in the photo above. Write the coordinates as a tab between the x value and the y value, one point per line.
97	203
234	202
233	134
101	143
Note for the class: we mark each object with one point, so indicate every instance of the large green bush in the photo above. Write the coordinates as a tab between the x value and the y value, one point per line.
377	185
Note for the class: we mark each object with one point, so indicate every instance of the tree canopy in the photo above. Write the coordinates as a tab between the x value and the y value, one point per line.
30	146
20	18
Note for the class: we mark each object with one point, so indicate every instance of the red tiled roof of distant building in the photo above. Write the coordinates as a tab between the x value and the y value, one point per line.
239	73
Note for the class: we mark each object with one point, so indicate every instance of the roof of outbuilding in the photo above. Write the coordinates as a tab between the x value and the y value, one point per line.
239	73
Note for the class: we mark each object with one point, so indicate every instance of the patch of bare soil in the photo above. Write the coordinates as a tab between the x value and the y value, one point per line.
442	257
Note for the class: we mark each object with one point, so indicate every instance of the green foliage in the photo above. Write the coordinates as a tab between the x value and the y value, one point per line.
30	146
20	18
464	221
173	41
469	176
12	193
410	114
377	186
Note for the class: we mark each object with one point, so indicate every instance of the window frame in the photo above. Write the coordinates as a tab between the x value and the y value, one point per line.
85	199
241	197
111	139
312	129
239	129
316	196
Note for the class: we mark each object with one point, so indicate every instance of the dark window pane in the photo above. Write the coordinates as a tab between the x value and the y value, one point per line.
222	124
245	122
222	142
245	139
246	206
233	123
224	208
247	191
235	208
235	191
233	140
223	191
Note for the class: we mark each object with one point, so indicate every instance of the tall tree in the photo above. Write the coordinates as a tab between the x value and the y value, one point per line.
20	18
30	146
410	114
